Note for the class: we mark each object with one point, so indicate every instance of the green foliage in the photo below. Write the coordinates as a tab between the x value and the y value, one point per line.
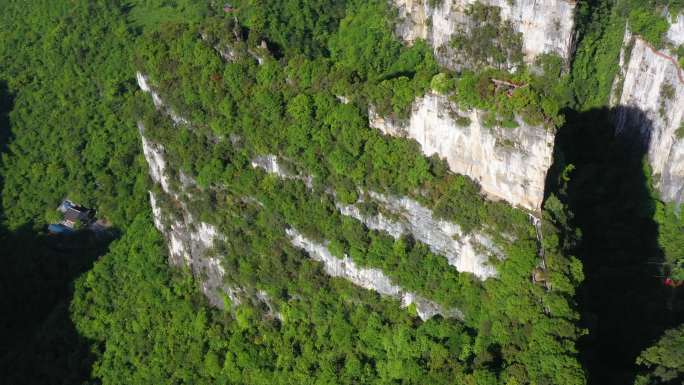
71	135
594	66
442	83
149	322
158	330
151	13
535	99
492	41
648	25
38	341
296	26
663	362
680	131
671	238
284	108
365	42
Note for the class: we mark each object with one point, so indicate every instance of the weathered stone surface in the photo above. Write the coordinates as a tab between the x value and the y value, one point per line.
372	279
270	164
508	163
470	253
190	243
144	84
676	32
466	252
648	96
546	26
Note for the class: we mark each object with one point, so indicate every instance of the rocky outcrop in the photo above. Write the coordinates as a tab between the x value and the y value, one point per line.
508	163
154	154
372	279
471	253
466	252
546	26
190	241
648	94
271	164
144	84
676	32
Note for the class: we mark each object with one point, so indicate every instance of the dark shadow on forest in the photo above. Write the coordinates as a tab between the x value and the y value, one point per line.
623	301
39	343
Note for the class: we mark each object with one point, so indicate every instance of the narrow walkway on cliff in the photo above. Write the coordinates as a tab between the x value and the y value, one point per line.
623	300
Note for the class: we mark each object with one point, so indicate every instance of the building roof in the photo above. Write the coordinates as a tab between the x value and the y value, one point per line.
73	214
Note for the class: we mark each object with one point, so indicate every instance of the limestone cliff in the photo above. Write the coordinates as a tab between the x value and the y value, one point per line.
676	32
190	241
508	163
546	26
466	252
648	94
399	216
372	279
143	83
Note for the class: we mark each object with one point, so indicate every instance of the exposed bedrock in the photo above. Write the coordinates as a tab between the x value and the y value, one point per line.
648	94
546	26
372	279
508	163
471	253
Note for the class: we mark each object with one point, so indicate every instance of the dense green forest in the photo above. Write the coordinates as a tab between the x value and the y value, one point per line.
258	77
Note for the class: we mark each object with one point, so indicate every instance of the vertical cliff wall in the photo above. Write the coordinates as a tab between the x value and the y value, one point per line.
372	279
400	216
676	32
648	95
190	241
546	26
508	163
470	253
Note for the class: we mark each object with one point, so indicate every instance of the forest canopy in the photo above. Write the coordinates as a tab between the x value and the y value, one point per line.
296	78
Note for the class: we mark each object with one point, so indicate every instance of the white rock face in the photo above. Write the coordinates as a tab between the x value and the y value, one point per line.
508	163
143	83
547	26
372	279
647	113
467	253
189	242
154	154
676	32
271	164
